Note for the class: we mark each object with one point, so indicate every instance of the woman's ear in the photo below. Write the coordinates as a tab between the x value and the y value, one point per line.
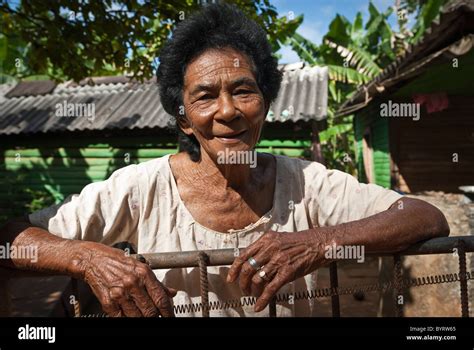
267	108
184	125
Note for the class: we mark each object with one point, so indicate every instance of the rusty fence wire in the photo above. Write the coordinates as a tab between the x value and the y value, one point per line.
459	245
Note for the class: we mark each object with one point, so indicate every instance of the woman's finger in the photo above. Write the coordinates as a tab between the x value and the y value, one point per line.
236	267
271	289
108	306
144	303
171	292
159	294
112	309
120	297
262	278
247	271
129	308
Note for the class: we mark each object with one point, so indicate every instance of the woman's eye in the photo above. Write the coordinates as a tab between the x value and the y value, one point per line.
205	97
243	92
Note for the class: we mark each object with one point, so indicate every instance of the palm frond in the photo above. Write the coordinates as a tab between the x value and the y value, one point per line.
347	75
305	49
357	58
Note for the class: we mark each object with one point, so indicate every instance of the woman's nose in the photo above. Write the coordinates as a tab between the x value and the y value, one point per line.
227	111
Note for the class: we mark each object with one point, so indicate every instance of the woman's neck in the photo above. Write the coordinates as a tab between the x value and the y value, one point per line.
223	174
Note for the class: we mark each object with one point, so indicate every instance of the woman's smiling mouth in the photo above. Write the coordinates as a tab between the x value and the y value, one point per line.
231	137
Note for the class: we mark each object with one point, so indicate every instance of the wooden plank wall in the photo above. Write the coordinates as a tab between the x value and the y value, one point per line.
426	150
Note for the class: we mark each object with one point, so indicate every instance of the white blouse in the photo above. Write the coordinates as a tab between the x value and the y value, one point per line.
141	204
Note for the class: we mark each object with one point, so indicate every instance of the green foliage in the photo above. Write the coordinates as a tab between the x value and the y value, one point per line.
39	200
72	39
425	12
345	51
31	200
355	54
54	193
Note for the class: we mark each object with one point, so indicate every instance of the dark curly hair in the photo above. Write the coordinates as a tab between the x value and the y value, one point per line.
214	26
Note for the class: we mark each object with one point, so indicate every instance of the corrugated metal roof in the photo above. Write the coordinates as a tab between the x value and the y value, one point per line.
130	105
31	88
452	24
303	95
4	88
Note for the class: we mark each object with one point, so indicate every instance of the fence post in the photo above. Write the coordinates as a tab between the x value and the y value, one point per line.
463	279
5	298
398	284
204	283
336	311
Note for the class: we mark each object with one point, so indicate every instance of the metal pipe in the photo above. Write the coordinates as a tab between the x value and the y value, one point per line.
272	307
219	257
442	245
216	257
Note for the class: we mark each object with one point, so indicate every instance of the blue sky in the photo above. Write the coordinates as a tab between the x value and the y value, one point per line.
319	13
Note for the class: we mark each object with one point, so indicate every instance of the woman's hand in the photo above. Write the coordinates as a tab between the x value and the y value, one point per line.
283	257
123	285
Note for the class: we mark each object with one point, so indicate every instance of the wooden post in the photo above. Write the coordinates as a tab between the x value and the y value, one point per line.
5	301
316	153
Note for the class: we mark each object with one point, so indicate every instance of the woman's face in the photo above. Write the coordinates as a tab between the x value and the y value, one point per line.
222	102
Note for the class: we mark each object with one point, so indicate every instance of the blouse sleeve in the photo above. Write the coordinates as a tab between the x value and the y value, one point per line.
105	211
334	197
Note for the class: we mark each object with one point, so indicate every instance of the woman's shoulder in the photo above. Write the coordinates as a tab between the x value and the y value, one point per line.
312	173
145	175
155	165
299	166
149	166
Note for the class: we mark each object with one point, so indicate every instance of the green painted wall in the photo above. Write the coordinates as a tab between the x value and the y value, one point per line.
370	117
43	170
452	77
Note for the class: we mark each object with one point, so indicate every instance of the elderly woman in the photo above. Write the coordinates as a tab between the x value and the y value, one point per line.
218	78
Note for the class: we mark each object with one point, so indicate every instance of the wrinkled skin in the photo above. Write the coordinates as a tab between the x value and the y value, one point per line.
125	286
225	109
284	257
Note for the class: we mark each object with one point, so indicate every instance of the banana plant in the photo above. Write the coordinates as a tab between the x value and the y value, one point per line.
425	12
346	51
355	54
